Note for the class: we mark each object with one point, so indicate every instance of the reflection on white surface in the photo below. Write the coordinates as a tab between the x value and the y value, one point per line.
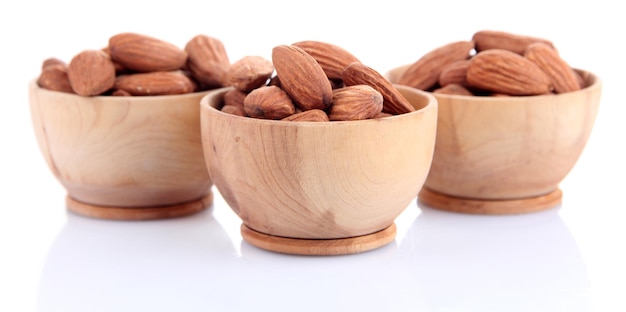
170	265
444	262
459	262
358	282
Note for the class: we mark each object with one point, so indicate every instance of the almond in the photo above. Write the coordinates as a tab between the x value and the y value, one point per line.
120	92
250	72
310	115
234	110
563	77
424	73
194	83
54	77
208	61
145	54
274	81
332	58
491	39
302	77
268	102
336	83
91	72
582	82
383	115
454	73
155	83
356	102
503	71
52	61
234	97
453	89
393	102
119	68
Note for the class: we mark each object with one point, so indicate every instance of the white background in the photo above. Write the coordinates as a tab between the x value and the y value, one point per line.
565	259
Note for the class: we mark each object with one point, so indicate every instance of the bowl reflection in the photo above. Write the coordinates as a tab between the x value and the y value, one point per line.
443	262
284	282
101	265
475	263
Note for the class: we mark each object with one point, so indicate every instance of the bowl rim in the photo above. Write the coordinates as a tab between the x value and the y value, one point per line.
432	104
33	85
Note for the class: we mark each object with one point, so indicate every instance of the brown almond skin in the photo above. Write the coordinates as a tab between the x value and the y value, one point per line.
54	77
119	68
234	110
91	72
268	102
453	89
52	61
563	77
314	115
383	115
120	93
503	71
356	102
336	83
454	73
424	73
208	61
302	77
332	58
393	101
250	72
491	39
196	87
274	81
581	80
145	54
234	97
155	83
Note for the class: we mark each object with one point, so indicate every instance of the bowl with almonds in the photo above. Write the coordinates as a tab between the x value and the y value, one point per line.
514	117
316	152
119	127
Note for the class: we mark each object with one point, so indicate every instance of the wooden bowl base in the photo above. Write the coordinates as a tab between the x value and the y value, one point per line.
489	207
319	247
139	213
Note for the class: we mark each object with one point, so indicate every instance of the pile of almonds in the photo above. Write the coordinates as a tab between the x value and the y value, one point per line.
493	63
134	64
310	81
304	81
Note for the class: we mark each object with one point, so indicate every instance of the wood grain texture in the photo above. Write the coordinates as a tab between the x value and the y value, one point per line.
122	151
490	206
510	147
139	213
319	180
319	247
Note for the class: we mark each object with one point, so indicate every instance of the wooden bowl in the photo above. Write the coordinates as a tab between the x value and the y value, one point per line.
125	158
505	155
319	188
